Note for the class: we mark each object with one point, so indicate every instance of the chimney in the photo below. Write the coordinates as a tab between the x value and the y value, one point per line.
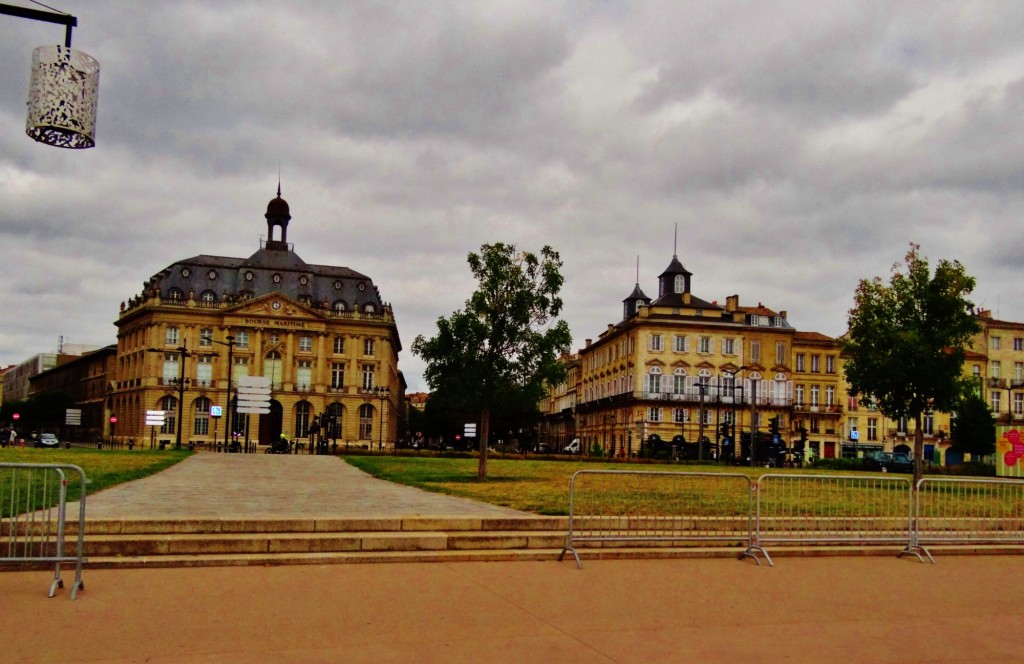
732	302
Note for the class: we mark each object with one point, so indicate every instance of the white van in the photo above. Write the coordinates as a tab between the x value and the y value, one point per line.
573	447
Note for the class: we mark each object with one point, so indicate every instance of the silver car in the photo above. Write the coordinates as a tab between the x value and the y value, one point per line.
47	440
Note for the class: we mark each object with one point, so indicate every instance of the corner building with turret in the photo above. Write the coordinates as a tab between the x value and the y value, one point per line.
321	334
679	369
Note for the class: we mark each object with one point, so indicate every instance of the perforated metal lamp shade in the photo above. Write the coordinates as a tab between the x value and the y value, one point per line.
62	97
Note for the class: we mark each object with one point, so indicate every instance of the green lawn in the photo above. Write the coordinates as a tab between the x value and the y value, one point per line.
103	468
539	486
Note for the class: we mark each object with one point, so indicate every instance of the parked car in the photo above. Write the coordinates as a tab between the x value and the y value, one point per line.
47	440
888	462
573	447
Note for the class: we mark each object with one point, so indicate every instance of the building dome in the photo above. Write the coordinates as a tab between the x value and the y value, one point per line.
277	208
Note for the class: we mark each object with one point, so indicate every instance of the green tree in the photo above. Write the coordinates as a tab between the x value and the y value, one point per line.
904	349
974	427
502	348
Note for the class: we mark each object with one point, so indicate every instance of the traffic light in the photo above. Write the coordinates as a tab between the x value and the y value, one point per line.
773	424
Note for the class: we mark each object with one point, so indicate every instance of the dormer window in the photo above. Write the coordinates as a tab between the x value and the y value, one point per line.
680	284
175	294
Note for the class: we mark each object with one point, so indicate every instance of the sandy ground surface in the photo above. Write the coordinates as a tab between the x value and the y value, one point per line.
845	609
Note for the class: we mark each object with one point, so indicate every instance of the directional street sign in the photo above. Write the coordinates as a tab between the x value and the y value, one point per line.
155	418
73	417
253	394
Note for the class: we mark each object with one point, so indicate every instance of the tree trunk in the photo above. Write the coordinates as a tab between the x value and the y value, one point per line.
485	434
918	450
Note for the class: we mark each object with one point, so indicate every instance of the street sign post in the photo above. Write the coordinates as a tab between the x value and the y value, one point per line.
253	395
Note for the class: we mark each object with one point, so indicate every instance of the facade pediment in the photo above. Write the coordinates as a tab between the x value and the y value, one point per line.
274	306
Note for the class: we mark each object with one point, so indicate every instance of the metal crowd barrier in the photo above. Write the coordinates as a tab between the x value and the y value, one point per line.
617	508
833	509
33	516
951	510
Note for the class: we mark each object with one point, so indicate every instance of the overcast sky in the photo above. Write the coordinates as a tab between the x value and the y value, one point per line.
799	147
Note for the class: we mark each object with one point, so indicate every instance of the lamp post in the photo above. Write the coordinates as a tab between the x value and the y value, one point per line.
180	382
700	422
753	412
382	393
228	430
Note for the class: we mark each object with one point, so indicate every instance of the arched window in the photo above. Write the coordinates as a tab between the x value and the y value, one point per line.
652	380
339	305
369	308
207	296
272	369
680	283
366	422
334	428
202	418
302	411
170	407
176	294
679	381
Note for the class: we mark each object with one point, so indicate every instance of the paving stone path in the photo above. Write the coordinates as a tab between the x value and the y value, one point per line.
209	485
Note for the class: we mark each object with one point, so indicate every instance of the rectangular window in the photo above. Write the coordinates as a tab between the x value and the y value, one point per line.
337	376
814	395
1018	343
994	401
994	343
799	395
705	345
678	384
706	416
928	423
681	344
872	428
815	425
171	335
306	344
304	375
170	367
728	346
1018	371
241	369
339	345
780	353
800	362
815	364
242	339
206	337
655	342
368	347
653	383
994	368
654	414
780	321
368	375
202	421
755	351
830	395
830	364
680	415
204	370
1018	404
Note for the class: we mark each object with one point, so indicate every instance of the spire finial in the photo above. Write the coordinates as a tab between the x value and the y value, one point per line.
675	241
279	179
638	269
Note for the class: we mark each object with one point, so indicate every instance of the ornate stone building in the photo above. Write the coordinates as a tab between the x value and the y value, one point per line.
321	334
